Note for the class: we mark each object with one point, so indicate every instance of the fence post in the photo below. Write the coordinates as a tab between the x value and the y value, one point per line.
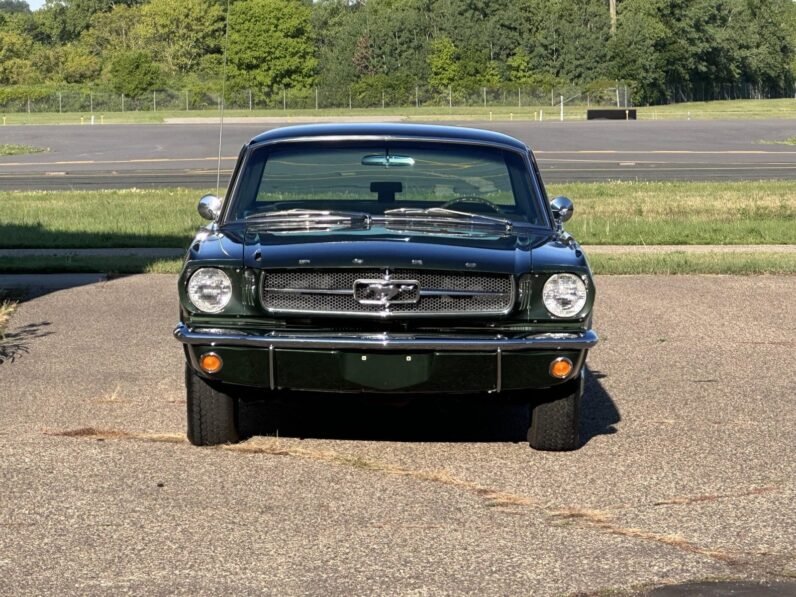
186	100
316	98
284	99
417	97
28	105
484	91
91	101
450	97
154	101
552	98
122	103
350	101
519	97
562	108
60	103
250	100
382	99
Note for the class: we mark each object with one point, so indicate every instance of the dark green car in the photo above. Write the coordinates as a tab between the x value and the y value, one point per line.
386	259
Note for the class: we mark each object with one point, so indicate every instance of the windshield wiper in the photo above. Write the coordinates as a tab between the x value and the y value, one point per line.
311	219
450	214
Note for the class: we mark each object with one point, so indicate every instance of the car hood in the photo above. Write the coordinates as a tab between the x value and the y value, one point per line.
508	253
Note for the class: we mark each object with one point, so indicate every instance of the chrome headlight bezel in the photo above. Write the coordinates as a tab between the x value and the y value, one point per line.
565	295
207	281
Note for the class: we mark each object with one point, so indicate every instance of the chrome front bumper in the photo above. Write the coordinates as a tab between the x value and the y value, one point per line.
404	342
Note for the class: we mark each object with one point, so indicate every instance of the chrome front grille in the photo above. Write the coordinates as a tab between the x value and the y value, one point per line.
384	293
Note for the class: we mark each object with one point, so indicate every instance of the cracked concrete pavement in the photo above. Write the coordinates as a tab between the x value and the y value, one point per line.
687	472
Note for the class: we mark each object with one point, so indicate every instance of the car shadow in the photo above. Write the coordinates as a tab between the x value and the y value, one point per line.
599	413
431	418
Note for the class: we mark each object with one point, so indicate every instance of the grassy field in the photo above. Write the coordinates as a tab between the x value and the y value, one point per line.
657	213
92	219
615	213
696	263
9	149
731	109
623	213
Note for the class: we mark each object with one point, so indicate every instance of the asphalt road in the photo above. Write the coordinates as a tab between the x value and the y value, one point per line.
688	471
186	154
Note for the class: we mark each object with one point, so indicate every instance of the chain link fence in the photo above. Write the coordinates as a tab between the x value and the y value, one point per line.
37	100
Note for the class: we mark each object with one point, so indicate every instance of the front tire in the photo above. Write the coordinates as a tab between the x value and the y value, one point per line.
555	423
211	412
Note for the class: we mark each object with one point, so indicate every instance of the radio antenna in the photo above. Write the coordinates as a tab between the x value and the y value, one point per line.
223	100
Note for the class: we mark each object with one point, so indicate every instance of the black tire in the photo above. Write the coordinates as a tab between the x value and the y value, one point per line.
555	422
211	412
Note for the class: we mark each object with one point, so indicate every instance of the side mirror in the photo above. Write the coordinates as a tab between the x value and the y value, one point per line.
562	209
209	207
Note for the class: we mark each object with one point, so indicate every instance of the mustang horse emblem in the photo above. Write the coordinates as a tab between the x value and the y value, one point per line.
386	292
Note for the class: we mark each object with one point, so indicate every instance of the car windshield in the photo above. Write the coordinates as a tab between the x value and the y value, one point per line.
395	179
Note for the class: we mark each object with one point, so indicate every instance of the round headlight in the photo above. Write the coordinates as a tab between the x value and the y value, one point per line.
209	289
564	295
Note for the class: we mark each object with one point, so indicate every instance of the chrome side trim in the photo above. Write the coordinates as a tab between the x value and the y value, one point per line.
384	341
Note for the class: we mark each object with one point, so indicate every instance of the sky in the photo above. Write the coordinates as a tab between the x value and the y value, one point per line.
35	4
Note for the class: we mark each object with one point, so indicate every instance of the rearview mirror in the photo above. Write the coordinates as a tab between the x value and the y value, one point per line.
388	161
562	208
209	207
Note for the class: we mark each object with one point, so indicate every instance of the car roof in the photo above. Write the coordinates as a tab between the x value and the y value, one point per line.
389	130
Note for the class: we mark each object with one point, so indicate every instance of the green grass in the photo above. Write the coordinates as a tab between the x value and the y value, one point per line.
788	141
660	213
92	219
730	109
631	213
7	149
694	263
621	213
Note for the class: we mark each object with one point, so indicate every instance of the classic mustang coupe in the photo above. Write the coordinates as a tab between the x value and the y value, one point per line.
385	259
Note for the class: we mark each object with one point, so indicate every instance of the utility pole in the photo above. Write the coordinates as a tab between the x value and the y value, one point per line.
612	9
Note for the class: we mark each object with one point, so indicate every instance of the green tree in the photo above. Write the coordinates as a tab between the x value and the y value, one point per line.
634	48
491	75
768	44
519	65
442	63
271	45
76	15
134	73
180	33
14	6
15	64
342	46
113	32
79	66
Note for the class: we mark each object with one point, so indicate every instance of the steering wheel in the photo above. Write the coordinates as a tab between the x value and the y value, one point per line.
473	200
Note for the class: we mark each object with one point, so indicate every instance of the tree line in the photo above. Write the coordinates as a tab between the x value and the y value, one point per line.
663	50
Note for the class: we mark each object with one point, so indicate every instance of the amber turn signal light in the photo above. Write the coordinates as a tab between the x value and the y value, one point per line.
561	367
210	362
